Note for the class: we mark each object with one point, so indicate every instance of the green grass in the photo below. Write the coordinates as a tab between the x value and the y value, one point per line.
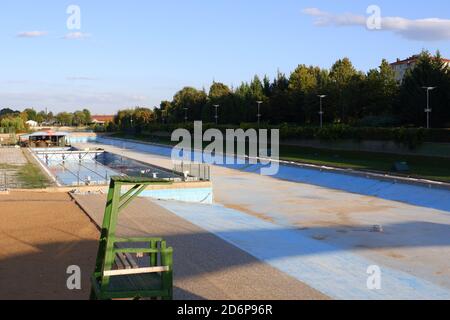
433	168
32	177
4	166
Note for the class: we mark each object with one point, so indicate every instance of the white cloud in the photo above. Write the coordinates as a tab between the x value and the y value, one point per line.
76	36
430	29
31	34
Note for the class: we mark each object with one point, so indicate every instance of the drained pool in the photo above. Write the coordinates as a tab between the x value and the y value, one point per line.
73	167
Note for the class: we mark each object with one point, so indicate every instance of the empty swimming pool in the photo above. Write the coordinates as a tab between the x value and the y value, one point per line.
73	167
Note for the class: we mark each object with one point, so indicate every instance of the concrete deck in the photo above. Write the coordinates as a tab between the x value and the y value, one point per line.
205	266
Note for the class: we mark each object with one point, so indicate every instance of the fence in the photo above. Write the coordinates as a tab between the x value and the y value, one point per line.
8	180
198	170
4	130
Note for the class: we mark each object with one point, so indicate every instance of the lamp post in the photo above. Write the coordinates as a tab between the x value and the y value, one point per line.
428	110
259	112
217	113
321	109
185	115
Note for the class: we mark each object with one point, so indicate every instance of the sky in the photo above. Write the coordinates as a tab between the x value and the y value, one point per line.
140	52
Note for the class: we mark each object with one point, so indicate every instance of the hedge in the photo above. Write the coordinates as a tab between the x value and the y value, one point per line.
410	137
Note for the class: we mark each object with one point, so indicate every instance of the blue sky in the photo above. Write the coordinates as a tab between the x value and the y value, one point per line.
139	52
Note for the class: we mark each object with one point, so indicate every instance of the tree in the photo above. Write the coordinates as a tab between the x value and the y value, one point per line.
31	114
429	71
142	117
192	99
8	112
220	94
380	92
78	118
41	117
303	86
341	74
65	118
87	116
16	123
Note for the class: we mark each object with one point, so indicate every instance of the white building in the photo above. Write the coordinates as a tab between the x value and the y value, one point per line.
402	66
32	124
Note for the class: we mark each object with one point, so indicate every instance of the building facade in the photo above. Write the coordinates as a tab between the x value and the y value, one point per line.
401	67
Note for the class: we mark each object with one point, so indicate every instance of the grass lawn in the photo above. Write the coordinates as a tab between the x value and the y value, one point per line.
31	177
433	168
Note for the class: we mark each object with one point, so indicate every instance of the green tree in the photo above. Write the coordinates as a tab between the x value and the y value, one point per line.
429	72
87	116
220	94
31	114
78	118
192	99
341	74
65	118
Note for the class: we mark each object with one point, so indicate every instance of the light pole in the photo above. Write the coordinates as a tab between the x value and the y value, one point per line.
259	112
321	109
185	115
131	125
428	110
217	113
164	115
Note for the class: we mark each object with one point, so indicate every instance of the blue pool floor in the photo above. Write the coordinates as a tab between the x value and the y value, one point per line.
336	273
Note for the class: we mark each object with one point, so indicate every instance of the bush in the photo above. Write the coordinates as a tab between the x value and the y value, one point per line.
378	122
410	137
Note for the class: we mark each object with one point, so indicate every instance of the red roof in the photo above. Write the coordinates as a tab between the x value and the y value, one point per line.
103	118
412	60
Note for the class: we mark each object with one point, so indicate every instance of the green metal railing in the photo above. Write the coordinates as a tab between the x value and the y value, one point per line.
154	281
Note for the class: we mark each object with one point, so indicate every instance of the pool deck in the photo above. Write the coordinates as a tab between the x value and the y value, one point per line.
413	250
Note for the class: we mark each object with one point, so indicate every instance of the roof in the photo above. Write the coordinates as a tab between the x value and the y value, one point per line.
103	118
411	60
49	133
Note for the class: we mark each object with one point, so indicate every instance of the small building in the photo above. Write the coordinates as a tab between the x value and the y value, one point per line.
402	66
32	124
46	139
102	120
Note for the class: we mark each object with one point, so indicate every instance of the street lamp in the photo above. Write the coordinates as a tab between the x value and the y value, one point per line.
428	110
259	112
217	113
164	115
321	109
185	115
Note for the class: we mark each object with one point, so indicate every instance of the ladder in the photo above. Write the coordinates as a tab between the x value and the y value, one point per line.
117	275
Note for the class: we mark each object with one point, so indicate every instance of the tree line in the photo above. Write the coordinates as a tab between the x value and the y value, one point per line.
17	120
355	98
